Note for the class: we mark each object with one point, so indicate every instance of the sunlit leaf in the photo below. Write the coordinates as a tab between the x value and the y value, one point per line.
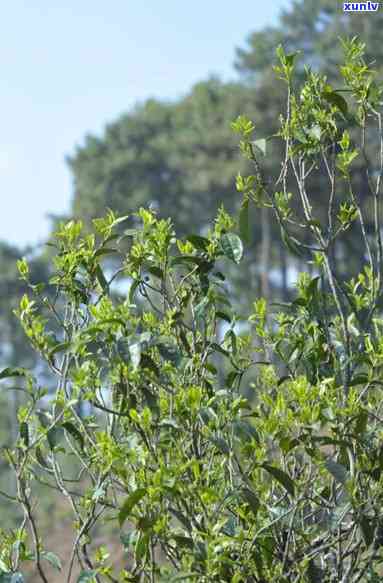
232	246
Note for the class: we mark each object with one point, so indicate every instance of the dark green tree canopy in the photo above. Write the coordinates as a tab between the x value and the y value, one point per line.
313	27
181	157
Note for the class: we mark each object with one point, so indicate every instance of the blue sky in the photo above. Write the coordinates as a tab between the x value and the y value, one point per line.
70	66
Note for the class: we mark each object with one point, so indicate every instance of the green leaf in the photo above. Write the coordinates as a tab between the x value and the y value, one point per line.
313	286
219	348
244	226
281	477
142	546
290	244
155	270
145	523
251	499
201	308
61	347
338	471
233	341
54	436
193	260
221	445
75	433
198	242
44	418
183	541
367	530
358	379
208	415
335	99
24	433
129	504
120	220
182	518
290	58
132	289
245	431
230	526
101	279
361	422
52	559
231	378
286	444
232	246
169	422
200	552
211	368
105	251
13	372
224	316
300	302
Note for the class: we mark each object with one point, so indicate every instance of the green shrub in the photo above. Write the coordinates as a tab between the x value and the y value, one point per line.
224	451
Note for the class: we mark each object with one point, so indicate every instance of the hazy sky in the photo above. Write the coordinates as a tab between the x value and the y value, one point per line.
67	67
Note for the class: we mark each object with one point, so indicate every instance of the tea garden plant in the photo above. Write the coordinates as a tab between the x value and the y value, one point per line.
221	450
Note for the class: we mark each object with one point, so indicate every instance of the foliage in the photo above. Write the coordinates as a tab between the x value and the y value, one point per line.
313	27
14	351
13	348
180	157
217	479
